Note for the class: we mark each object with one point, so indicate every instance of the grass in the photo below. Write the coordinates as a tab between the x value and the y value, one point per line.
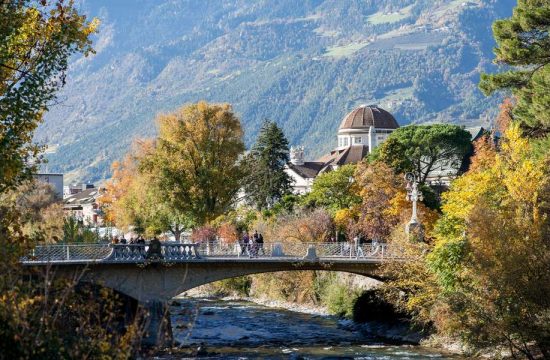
344	50
384	18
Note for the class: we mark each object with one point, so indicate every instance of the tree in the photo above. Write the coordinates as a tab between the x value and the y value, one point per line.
523	42
421	148
195	162
134	198
383	203
267	181
492	257
334	190
36	41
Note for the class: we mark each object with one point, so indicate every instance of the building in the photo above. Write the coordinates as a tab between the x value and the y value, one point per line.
360	132
56	180
84	206
76	188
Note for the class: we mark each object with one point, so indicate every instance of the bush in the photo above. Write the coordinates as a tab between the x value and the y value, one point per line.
239	286
340	299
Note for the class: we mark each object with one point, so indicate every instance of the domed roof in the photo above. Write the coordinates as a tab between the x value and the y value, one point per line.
368	115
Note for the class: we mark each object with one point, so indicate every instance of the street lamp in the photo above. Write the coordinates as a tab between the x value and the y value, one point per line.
413	195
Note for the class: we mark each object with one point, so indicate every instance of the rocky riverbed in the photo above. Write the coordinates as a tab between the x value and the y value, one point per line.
236	329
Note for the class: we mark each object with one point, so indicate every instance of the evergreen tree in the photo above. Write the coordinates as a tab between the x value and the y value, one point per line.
524	44
267	181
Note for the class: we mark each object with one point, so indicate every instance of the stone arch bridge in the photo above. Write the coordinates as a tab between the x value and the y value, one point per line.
156	272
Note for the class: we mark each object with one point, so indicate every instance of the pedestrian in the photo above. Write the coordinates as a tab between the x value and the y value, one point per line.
244	243
358	248
254	244
123	240
260	244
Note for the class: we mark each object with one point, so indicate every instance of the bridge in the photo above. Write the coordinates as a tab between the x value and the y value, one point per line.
156	272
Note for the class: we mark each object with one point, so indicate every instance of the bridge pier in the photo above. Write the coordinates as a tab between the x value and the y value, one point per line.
157	324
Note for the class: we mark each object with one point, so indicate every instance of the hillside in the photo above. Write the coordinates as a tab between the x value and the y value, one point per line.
304	64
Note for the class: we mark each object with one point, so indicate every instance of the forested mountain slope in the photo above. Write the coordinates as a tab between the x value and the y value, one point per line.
303	64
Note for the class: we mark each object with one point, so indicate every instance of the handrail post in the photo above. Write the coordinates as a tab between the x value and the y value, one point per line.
68	255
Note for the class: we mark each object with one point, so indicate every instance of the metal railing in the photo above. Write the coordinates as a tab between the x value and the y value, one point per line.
68	252
297	249
174	252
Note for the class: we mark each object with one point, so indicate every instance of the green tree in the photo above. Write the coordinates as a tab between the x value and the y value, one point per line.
421	148
334	190
36	40
267	181
195	161
523	42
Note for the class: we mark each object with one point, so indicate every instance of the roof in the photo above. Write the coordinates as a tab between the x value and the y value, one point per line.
308	170
368	115
476	132
350	155
88	196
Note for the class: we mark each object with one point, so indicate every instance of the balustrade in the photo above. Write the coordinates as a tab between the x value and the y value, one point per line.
174	252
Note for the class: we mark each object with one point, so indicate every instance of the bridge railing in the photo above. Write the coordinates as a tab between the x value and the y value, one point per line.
168	252
296	249
189	251
68	252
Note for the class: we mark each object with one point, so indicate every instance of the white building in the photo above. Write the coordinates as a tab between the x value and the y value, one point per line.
84	206
360	132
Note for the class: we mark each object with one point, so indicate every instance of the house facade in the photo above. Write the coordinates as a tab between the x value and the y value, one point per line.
84	206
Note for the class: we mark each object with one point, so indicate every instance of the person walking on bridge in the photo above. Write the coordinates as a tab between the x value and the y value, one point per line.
245	243
260	244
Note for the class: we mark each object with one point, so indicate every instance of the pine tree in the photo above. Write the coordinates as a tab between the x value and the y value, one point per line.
267	181
524	44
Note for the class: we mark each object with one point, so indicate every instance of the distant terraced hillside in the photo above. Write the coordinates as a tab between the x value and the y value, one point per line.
303	64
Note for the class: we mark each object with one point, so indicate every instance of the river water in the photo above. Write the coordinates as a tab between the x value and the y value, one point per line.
244	330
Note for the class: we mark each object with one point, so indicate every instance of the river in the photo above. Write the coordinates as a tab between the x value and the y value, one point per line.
230	329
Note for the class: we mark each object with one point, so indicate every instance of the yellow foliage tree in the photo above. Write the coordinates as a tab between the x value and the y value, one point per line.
492	256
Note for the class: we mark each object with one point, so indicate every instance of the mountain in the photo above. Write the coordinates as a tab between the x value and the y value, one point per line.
303	64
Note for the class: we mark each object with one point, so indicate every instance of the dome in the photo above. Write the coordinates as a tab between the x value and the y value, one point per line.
368	115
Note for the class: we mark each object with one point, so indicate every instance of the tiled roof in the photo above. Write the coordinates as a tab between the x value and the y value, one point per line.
350	155
365	116
308	170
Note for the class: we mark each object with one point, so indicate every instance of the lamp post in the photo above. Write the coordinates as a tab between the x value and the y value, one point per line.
413	195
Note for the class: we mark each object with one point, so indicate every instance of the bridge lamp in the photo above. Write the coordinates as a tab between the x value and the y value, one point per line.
414	227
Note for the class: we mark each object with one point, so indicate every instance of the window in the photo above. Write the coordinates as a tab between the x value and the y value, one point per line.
357	140
345	141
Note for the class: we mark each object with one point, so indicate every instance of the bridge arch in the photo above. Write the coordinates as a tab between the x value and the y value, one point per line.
158	282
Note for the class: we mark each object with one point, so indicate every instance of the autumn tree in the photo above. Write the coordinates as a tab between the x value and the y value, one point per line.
36	41
186	177
421	148
134	199
383	203
492	257
196	159
523	44
266	180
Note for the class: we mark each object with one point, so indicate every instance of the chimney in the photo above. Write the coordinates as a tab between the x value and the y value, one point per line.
297	155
